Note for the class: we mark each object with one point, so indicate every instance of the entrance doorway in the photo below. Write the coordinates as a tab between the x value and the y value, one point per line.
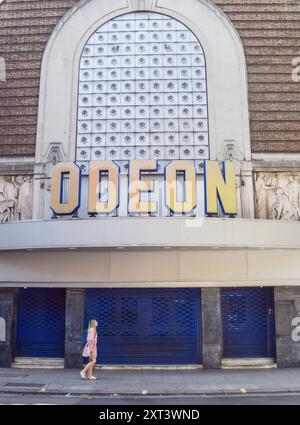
248	323
41	323
147	326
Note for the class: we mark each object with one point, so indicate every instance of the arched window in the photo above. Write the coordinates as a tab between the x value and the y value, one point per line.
142	93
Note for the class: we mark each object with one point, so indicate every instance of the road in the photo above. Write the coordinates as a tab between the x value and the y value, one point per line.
265	399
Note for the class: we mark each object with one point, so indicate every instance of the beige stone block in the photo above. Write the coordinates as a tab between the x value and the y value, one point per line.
212	265
274	264
144	266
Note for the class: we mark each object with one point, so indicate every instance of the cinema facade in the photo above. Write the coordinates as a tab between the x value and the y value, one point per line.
164	82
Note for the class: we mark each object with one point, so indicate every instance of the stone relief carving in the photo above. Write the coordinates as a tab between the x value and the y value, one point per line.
278	196
15	198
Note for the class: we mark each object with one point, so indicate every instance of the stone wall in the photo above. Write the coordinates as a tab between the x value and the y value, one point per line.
270	35
75	299
7	325
287	310
212	331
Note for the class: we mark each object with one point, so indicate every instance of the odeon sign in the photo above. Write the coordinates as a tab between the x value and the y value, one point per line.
219	188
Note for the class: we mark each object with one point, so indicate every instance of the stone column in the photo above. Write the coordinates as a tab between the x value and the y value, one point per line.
212	335
247	191
75	299
287	314
8	311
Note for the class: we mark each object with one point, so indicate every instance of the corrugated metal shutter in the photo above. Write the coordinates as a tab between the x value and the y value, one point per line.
41	323
146	326
248	322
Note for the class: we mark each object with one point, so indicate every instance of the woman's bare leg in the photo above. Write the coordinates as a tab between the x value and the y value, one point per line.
87	367
90	369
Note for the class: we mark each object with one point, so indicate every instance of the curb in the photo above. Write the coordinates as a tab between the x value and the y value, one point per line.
202	393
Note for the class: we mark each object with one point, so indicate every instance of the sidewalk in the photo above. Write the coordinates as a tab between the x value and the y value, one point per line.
150	382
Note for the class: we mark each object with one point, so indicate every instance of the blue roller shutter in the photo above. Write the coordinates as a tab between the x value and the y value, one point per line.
248	322
146	326
41	323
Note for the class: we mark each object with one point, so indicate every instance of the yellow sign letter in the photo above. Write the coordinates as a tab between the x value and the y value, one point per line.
137	186
172	170
219	185
65	192
96	206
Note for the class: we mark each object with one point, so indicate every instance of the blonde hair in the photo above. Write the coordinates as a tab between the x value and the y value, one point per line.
92	323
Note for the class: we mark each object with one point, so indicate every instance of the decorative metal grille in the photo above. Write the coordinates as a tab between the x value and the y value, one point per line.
248	322
41	322
146	326
142	93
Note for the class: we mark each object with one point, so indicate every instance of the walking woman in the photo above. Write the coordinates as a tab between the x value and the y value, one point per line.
90	351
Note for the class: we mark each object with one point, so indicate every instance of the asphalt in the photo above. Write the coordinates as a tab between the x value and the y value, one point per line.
150	382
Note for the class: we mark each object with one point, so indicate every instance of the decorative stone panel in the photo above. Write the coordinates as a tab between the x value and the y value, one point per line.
277	195
15	198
